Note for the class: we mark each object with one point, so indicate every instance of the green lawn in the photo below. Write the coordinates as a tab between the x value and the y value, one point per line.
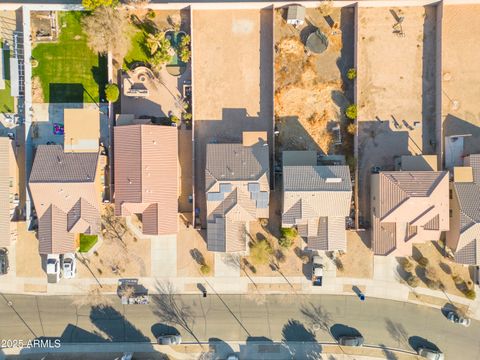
86	242
6	100
138	50
68	70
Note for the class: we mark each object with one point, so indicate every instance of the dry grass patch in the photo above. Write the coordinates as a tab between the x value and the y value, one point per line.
357	261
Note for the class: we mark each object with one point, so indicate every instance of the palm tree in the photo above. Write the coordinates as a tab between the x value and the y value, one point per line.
157	41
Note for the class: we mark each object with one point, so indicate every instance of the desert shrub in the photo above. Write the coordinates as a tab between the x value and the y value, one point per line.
412	280
287	238
432	284
457	279
260	252
352	128
338	263
470	294
151	14
406	264
351	112
112	92
423	262
174	119
205	269
431	273
351	74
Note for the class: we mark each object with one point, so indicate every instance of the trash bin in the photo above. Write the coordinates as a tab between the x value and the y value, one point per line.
362	297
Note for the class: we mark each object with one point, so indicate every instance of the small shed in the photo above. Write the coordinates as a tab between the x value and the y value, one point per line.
295	15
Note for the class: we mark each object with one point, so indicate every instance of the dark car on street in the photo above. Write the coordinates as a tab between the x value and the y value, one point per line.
351	340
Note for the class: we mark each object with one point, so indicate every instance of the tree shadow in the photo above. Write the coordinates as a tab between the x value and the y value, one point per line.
339	330
163	329
170	309
100	75
317	316
301	341
65	93
197	256
416	342
446	268
389	354
218	346
117	328
397	332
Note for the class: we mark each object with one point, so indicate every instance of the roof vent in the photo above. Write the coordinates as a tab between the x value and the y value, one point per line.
154	142
59	160
129	181
333	180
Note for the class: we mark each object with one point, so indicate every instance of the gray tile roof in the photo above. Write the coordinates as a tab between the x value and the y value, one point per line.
226	162
53	165
316	178
237	191
317	199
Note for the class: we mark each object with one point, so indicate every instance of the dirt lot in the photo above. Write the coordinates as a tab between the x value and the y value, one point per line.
358	260
233	80
310	92
189	242
460	90
393	69
130	259
28	260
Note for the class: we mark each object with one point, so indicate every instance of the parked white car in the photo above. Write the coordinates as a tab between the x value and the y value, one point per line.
53	268
69	266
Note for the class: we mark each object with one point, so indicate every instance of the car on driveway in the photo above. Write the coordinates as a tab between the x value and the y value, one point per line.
69	266
53	268
169	340
430	354
4	265
458	319
356	340
317	270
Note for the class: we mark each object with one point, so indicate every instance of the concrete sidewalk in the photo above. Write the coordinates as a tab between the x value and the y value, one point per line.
220	350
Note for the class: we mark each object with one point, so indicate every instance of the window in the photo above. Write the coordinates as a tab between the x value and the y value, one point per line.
451	213
451	194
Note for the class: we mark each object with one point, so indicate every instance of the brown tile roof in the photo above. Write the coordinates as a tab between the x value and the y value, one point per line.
146	175
65	196
408	199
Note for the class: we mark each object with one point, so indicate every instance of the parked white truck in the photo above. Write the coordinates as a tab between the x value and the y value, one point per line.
317	270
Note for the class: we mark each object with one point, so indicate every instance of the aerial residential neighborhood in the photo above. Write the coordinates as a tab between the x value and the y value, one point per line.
239	180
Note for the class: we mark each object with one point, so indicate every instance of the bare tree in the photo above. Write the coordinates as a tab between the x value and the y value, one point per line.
317	316
171	310
107	31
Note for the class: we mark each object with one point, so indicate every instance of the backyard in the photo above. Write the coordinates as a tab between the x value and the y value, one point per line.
6	100
67	71
311	91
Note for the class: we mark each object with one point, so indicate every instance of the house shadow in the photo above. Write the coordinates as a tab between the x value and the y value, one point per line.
347	53
111	322
261	347
470	125
219	349
301	341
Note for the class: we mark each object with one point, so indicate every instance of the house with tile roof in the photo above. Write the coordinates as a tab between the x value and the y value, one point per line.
147	176
66	189
464	234
316	200
237	190
407	207
5	145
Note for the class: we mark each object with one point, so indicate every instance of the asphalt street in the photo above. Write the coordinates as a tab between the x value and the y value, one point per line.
238	318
